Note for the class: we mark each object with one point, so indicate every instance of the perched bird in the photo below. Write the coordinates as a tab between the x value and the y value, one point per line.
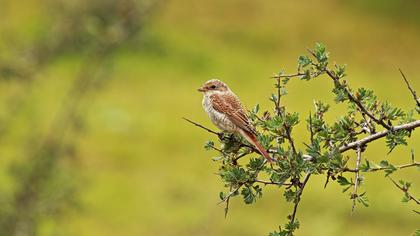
226	112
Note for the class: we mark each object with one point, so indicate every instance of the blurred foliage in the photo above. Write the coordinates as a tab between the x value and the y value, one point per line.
402	10
128	165
94	29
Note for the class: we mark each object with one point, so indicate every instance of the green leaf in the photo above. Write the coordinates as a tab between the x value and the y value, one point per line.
283	91
321	55
340	94
388	168
340	70
209	145
304	61
222	196
396	138
233	175
292	119
255	164
274	98
343	181
406	198
281	233
306	75
363	199
290	195
256	109
248	195
365	167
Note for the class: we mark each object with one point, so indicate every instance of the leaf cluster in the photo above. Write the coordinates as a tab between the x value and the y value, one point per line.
324	151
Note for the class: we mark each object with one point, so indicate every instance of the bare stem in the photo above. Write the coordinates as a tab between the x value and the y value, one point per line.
277	103
198	125
269	182
368	139
411	89
356	101
356	181
414	164
405	190
226	198
287	76
293	217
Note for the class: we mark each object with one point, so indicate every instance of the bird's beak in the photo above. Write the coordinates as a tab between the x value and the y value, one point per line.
201	89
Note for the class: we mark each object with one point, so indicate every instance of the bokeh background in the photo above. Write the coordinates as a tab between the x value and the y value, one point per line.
92	94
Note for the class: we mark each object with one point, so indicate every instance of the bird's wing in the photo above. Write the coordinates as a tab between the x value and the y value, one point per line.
230	105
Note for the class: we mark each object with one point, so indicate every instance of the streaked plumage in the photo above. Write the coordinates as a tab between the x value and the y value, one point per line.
226	112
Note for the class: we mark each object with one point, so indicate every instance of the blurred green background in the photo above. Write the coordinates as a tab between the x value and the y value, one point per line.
92	94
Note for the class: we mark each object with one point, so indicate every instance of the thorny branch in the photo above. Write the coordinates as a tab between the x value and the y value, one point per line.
198	125
301	188
374	169
362	142
416	99
266	182
327	142
356	180
405	190
277	103
351	97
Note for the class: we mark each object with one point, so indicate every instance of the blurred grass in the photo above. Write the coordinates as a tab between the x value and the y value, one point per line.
145	170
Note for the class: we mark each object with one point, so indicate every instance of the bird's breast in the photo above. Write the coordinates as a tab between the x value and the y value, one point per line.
219	119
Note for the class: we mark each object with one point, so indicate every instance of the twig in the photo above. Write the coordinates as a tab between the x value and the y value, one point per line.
231	193
411	89
384	168
253	149
198	125
356	181
357	101
277	103
405	190
293	217
362	142
287	76
266	182
310	128
350	95
290	139
368	139
227	204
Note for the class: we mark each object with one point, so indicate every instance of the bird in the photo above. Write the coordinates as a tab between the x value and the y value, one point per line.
227	113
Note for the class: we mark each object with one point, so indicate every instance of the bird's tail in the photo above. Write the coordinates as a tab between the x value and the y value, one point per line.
251	138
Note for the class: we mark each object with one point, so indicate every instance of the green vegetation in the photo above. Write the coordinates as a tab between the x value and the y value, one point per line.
325	152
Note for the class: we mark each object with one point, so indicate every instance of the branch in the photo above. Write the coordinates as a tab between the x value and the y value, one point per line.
227	204
266	182
277	103
414	164
368	139
411	90
356	181
350	95
253	149
227	197
290	139
293	217
198	125
356	101
405	190
287	76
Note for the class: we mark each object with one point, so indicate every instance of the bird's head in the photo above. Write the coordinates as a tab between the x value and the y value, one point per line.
213	86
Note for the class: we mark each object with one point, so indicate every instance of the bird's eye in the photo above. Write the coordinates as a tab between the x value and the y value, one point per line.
213	86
